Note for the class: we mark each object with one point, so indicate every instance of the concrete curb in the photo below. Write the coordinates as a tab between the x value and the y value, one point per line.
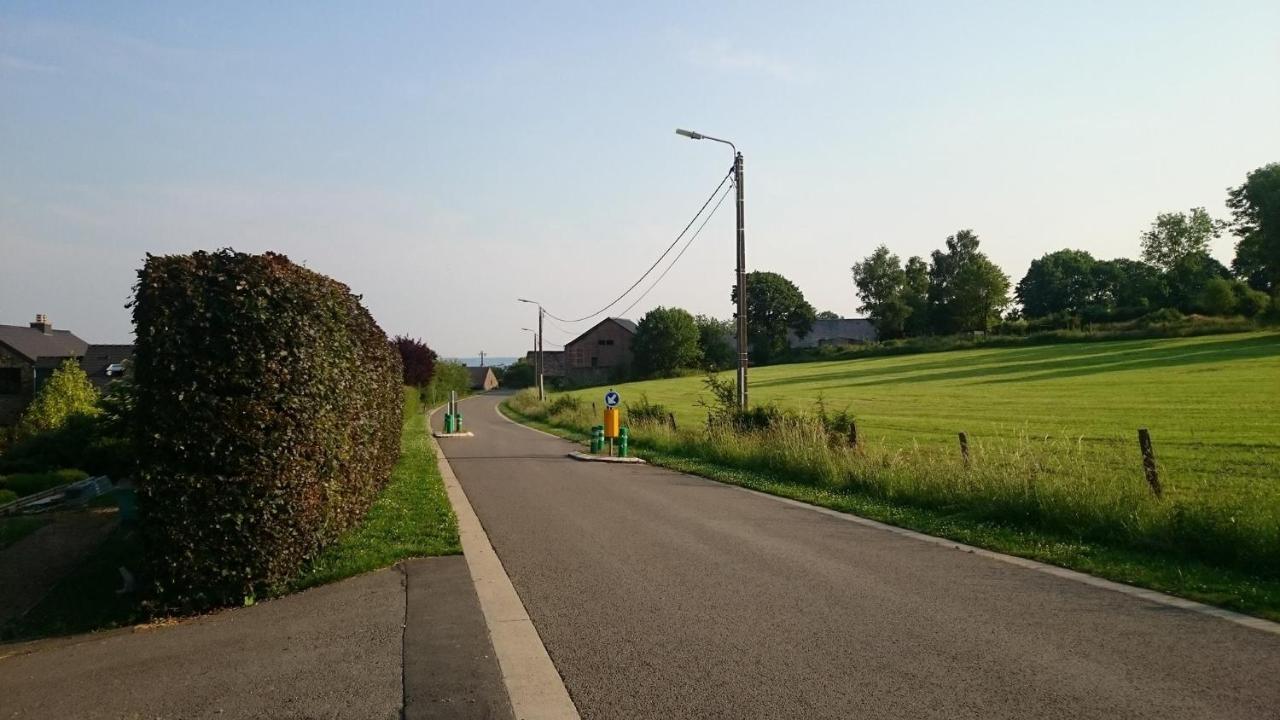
588	457
452	435
533	684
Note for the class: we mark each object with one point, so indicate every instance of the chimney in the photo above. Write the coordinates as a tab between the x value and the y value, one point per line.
42	324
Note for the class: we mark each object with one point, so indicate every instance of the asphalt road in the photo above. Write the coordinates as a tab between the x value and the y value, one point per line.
660	595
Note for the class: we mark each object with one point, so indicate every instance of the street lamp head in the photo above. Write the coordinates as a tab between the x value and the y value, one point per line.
531	302
689	134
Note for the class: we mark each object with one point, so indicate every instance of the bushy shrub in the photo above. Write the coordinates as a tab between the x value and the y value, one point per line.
1161	316
519	375
65	395
449	376
642	410
418	360
268	415
7	496
24	484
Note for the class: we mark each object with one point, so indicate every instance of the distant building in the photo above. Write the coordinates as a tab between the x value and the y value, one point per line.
844	331
29	355
482	378
554	360
600	352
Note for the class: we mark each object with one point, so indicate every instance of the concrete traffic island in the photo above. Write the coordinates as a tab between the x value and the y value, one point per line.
439	434
588	457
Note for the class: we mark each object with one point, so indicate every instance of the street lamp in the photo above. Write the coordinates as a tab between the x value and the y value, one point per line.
542	393
535	344
742	264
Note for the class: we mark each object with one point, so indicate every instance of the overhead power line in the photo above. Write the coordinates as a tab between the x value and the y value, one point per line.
639	280
680	254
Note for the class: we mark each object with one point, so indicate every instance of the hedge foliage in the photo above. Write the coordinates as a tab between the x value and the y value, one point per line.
268	413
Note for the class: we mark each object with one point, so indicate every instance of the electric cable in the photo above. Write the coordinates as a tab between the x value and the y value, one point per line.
639	280
681	254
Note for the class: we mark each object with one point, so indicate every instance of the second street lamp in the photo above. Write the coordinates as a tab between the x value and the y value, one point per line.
542	393
742	264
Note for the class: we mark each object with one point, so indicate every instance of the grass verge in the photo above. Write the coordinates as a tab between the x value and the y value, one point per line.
411	518
1185	577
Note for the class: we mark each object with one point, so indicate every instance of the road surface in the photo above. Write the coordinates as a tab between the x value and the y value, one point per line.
660	595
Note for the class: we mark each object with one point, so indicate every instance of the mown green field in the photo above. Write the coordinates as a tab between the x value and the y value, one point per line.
1212	403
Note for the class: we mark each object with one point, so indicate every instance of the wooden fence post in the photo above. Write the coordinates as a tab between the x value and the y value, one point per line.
853	434
672	418
964	448
1149	461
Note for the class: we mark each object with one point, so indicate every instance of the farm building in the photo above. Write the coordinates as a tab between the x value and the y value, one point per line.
844	331
29	355
599	353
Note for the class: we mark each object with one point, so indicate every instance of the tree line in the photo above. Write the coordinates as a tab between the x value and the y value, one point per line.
960	290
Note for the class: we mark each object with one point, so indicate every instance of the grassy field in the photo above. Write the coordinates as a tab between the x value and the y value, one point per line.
1210	402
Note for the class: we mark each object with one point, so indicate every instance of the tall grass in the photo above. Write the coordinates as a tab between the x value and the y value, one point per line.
1064	488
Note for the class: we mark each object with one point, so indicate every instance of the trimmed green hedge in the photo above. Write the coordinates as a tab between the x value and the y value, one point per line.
268	418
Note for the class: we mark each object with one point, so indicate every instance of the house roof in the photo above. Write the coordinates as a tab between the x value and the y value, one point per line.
479	375
98	359
624	323
33	344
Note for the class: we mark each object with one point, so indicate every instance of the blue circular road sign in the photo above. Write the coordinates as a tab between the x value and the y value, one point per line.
611	399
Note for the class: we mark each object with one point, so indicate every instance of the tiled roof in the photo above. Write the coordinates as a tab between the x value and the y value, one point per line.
33	344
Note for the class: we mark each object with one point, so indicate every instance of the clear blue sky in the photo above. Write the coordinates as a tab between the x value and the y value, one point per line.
445	158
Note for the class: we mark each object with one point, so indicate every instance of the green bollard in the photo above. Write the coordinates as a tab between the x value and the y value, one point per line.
624	441
597	438
448	422
457	422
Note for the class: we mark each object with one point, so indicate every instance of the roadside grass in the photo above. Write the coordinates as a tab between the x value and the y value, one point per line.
411	518
1067	501
13	529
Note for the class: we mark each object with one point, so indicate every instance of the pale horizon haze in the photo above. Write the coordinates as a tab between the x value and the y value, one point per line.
444	159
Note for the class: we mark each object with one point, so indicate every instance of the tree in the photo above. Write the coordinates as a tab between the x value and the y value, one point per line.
1174	236
1250	302
716	340
880	280
774	307
419	360
1255	221
1124	284
1187	279
65	395
519	375
666	340
1218	297
966	290
915	296
1061	281
827	315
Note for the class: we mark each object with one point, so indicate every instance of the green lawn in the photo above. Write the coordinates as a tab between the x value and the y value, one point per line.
1210	402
